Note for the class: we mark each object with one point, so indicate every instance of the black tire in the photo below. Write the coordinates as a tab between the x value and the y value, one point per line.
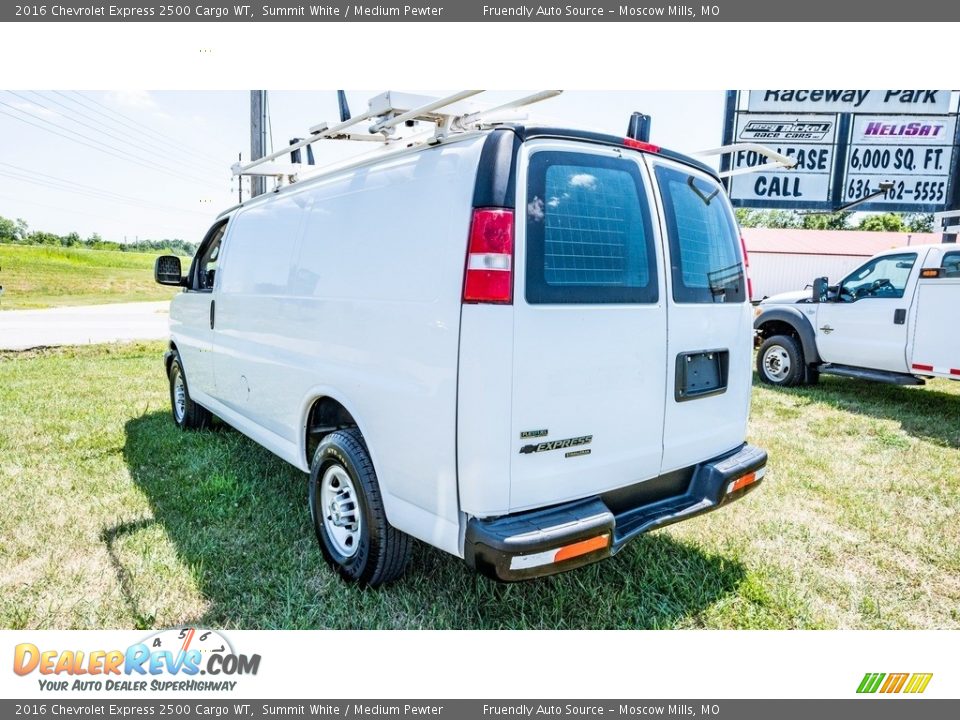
366	549
190	416
780	362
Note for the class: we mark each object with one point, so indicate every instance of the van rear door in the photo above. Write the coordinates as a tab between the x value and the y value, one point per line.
589	325
709	338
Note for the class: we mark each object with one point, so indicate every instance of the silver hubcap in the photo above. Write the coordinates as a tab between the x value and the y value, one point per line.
179	395
341	511
776	363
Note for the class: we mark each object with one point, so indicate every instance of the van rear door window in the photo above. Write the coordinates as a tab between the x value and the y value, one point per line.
706	264
589	238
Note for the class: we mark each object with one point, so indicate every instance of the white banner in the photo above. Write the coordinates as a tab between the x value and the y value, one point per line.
875	101
477	664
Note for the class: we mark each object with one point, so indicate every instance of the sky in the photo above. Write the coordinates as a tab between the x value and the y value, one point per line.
152	165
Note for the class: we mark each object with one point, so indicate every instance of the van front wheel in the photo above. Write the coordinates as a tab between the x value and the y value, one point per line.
780	362
186	413
348	516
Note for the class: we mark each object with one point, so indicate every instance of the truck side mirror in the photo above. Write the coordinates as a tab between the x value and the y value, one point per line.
166	270
820	290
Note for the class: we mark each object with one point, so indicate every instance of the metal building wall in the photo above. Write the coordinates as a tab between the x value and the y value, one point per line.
774	273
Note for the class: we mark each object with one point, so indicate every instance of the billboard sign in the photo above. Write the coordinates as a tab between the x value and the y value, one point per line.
915	102
849	144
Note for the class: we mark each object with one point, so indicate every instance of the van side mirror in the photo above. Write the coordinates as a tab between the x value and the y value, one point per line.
820	288
166	270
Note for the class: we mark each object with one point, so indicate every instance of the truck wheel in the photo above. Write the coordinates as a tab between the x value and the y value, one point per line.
186	413
348	515
780	362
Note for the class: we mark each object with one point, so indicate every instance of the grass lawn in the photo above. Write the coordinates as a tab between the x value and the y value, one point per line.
113	518
35	276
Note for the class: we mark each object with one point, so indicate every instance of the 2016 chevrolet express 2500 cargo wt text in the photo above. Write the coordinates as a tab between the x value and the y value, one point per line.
522	345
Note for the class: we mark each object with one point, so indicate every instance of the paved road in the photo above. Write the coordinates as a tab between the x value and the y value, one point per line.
82	325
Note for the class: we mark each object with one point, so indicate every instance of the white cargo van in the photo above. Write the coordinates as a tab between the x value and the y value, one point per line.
522	345
889	321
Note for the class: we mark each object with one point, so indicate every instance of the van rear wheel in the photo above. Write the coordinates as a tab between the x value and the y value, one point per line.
780	362
186	413
347	511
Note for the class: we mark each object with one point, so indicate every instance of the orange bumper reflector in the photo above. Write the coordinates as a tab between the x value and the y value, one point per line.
742	482
582	547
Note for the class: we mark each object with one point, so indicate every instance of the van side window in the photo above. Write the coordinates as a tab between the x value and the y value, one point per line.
704	256
883	277
951	265
204	271
589	237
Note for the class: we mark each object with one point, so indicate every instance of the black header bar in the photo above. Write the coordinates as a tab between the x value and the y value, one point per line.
642	11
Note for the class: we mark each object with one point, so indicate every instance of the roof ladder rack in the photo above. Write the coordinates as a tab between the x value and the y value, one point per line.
387	112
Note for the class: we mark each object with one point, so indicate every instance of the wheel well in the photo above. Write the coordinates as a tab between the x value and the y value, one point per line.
326	415
778	327
169	357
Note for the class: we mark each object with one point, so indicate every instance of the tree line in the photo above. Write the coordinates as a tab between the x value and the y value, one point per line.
17	232
878	222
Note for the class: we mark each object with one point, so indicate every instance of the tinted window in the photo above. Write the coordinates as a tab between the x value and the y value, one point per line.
885	276
589	238
951	264
204	269
704	256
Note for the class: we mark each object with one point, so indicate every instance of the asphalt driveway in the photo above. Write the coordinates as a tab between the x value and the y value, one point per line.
82	325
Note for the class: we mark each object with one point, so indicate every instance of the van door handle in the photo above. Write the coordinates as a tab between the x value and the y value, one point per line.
213	312
899	316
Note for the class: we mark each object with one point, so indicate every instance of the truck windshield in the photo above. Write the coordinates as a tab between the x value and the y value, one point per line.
703	238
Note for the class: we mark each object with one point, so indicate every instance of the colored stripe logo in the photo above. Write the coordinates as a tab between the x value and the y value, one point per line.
913	683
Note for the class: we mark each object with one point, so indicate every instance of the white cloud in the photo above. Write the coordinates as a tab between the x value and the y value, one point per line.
585	180
139	99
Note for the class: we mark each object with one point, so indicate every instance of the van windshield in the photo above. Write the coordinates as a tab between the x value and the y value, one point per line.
706	264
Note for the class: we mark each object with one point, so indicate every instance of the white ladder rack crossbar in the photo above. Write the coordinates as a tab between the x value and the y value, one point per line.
387	111
778	160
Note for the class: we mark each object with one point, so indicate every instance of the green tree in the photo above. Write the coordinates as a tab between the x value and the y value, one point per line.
8	229
767	218
919	222
826	221
883	222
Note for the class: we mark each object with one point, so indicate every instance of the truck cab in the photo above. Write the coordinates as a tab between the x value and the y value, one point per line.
883	321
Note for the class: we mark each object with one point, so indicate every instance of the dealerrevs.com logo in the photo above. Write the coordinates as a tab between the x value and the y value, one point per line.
181	659
890	683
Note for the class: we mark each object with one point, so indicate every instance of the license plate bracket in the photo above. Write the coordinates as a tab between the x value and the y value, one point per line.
701	374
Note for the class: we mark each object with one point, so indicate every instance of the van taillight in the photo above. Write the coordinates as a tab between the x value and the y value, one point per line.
489	275
746	269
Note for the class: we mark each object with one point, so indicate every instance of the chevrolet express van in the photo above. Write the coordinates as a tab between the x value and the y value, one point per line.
523	345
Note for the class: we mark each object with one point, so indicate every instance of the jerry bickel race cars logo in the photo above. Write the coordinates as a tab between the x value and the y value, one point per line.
169	660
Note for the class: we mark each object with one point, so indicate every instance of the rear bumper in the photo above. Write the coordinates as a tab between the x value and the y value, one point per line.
564	537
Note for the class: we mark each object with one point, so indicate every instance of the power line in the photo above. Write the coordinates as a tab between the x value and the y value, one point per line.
71	211
86	193
93	139
109	194
142	126
137	141
73	136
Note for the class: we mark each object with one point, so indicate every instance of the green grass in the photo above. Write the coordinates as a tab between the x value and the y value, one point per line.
35	276
113	518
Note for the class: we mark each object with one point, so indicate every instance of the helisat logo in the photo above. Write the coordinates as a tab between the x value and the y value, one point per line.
169	660
911	129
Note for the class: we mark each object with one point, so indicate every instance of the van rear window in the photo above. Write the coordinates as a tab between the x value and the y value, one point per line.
703	237
589	238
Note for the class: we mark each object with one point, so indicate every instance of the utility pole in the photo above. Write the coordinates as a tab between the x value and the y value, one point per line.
258	136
